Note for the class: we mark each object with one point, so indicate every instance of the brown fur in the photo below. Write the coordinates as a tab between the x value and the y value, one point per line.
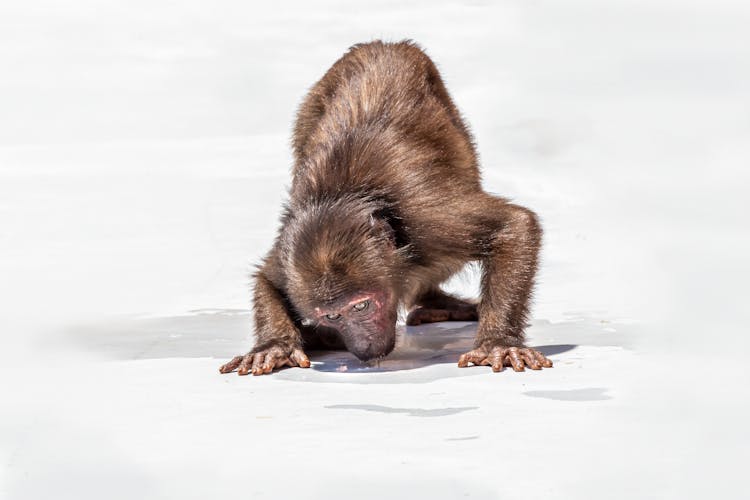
386	195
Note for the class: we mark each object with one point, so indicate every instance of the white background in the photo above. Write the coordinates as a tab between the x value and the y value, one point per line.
144	155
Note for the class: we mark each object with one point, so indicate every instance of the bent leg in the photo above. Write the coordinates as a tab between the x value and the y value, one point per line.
509	240
436	305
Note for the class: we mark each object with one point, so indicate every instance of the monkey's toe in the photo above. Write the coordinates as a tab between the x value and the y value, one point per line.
421	315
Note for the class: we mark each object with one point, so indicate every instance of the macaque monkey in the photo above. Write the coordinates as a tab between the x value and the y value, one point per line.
386	204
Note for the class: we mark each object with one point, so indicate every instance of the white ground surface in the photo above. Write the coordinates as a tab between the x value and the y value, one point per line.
143	158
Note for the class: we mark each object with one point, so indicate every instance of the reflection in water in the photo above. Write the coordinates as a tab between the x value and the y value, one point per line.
416	347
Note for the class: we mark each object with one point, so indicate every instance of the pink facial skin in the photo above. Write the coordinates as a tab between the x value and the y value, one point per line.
368	333
377	302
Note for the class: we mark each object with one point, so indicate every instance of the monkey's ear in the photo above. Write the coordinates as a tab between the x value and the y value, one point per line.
387	220
381	228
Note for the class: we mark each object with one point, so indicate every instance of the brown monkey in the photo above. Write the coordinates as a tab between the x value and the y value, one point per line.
385	205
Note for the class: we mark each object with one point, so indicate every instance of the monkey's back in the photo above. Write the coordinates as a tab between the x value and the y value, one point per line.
381	120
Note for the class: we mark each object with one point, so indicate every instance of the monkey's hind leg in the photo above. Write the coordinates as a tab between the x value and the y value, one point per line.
436	305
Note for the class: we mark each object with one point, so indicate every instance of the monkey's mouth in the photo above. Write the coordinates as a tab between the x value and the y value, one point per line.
374	353
374	346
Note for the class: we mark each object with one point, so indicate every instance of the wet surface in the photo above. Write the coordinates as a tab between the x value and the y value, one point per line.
419	356
224	333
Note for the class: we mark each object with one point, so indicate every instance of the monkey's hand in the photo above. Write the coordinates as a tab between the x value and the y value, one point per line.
499	356
263	359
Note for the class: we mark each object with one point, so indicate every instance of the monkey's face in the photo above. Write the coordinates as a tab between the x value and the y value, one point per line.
343	269
366	321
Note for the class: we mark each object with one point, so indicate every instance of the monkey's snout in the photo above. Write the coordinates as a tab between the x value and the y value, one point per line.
366	356
366	352
372	349
371	341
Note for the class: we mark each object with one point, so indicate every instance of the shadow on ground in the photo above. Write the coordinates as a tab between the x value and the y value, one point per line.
224	333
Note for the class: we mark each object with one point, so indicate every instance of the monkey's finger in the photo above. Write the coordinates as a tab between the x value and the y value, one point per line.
271	361
275	358
258	363
496	359
463	360
530	360
477	357
285	362
245	365
299	357
497	364
229	367
515	360
543	360
480	358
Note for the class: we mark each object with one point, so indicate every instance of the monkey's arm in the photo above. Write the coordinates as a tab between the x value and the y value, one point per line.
511	252
278	341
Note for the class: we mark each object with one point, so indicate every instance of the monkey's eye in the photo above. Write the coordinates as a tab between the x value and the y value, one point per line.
361	306
333	316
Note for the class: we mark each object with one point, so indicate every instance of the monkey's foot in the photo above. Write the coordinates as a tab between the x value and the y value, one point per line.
265	360
500	356
422	315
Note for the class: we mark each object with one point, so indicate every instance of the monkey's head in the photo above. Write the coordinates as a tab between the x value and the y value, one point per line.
342	266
